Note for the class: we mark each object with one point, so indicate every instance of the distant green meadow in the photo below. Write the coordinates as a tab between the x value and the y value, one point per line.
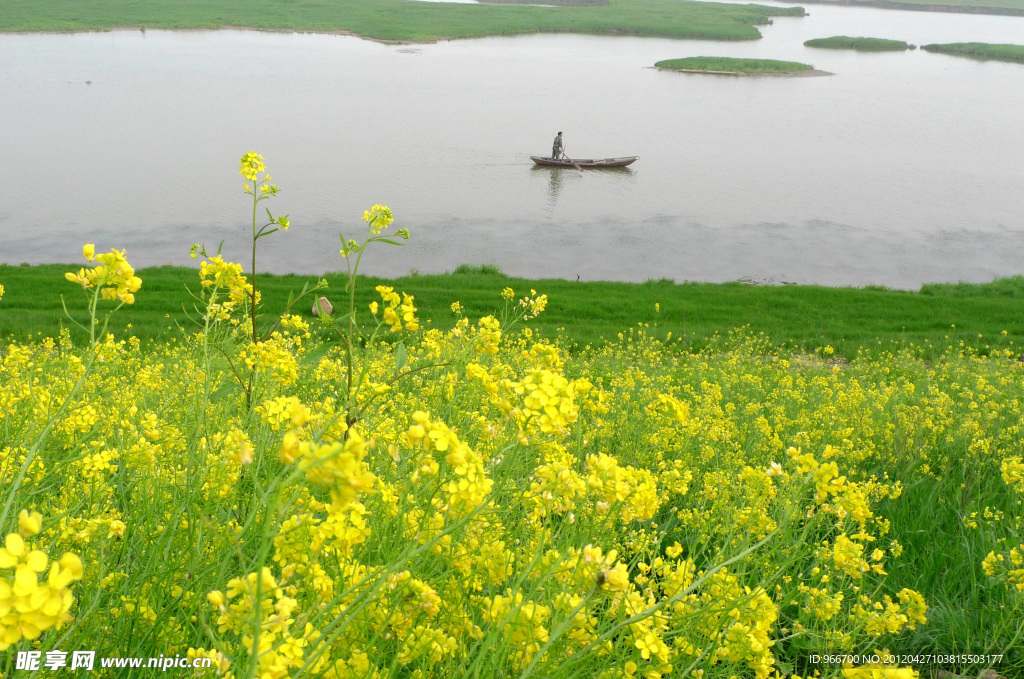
401	20
733	65
802	317
980	50
860	44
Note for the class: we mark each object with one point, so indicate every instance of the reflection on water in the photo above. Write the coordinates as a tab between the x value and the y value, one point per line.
559	175
901	169
554	181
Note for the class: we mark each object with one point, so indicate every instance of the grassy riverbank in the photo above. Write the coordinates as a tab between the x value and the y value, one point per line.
980	50
734	66
806	317
401	19
843	42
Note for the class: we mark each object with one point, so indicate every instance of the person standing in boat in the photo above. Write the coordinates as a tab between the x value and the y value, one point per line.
556	150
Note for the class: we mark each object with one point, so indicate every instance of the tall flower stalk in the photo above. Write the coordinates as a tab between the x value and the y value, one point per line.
258	185
219	275
378	218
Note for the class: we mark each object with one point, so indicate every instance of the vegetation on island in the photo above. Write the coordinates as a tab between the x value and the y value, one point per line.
402	20
735	66
980	50
843	42
363	495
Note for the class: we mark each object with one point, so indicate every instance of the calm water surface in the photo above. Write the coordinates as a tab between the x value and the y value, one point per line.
901	169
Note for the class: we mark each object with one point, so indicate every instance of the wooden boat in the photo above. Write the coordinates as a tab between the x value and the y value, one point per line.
589	163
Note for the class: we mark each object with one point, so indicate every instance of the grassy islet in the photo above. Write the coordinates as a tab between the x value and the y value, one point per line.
843	42
980	50
734	65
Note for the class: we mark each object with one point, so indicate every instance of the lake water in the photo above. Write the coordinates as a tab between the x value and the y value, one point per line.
901	169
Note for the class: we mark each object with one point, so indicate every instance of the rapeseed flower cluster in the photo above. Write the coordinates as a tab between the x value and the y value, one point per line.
397	309
251	166
29	607
379	217
1009	566
113	275
219	277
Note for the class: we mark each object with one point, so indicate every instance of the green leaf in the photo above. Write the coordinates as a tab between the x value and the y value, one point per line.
339	319
315	354
388	241
229	388
400	357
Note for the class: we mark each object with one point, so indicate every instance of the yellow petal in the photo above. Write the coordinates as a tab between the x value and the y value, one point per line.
72	564
36	561
15	545
53	606
30	524
24	580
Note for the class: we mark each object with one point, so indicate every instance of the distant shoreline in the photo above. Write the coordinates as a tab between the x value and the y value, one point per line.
257	29
926	7
353	34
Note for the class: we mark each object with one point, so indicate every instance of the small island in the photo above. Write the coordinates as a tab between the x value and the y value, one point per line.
734	66
980	50
845	42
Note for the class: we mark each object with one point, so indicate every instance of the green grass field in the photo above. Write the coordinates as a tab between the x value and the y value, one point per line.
732	65
843	42
401	19
980	50
805	317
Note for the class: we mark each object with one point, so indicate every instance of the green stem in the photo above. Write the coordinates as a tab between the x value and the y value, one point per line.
351	321
255	201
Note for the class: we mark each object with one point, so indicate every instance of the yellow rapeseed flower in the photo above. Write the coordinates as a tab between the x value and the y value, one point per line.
29	523
251	165
29	607
113	275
